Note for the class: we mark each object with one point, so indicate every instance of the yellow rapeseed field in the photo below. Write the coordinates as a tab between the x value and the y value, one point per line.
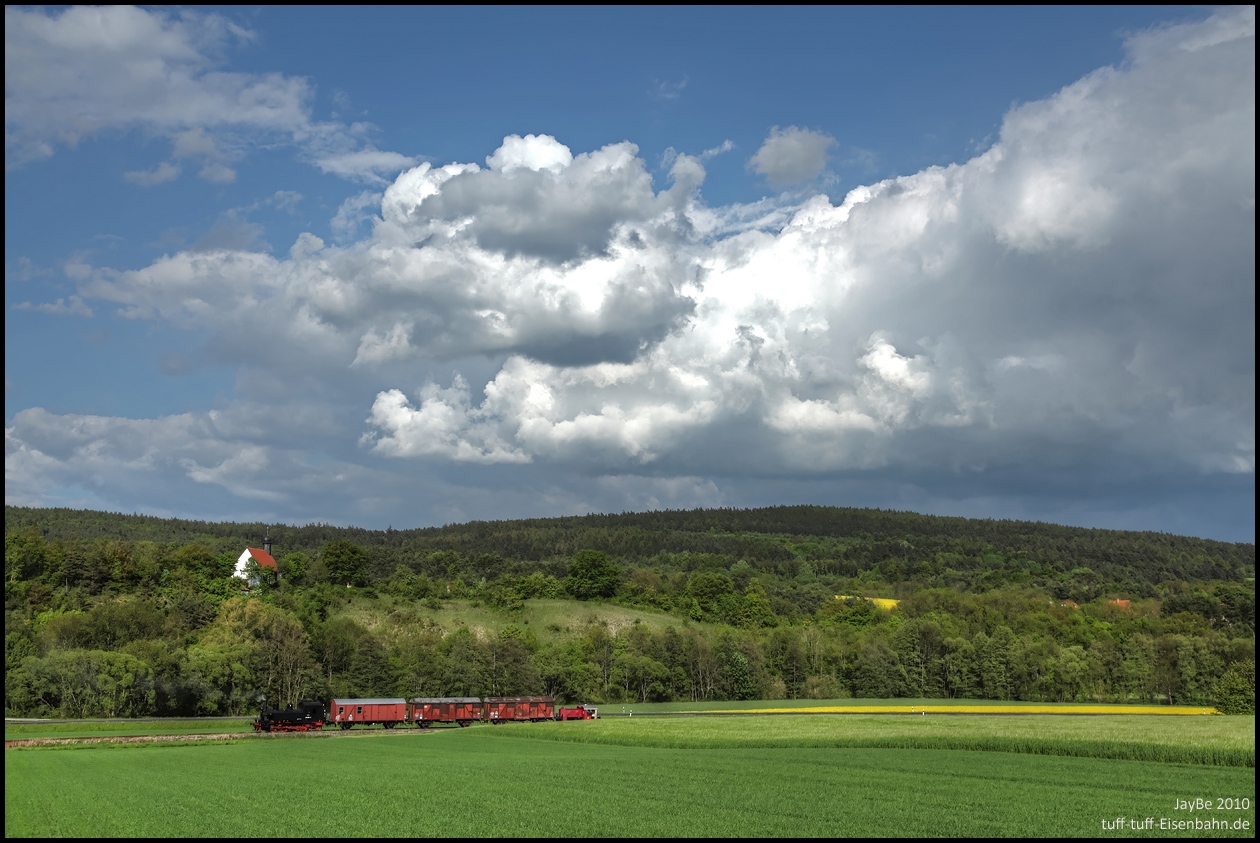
983	709
886	603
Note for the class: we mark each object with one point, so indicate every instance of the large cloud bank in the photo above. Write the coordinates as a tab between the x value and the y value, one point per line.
1076	300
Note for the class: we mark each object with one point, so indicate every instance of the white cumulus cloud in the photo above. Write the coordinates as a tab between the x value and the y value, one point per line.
791	155
163	172
532	152
73	306
74	73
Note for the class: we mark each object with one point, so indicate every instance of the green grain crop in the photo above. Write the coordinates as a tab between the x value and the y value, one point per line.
904	703
117	728
1221	741
483	782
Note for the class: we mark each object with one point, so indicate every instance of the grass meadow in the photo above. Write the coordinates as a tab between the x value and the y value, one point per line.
747	776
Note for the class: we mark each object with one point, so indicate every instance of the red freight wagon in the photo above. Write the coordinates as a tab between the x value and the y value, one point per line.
348	713
500	709
426	711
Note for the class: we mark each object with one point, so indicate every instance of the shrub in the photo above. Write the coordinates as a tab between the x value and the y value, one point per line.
1236	691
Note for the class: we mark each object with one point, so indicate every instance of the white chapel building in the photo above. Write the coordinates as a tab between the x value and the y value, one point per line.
261	555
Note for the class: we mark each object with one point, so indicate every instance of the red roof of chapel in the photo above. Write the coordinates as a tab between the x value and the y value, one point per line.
263	558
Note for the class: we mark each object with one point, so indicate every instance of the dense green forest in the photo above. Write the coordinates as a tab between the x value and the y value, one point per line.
112	614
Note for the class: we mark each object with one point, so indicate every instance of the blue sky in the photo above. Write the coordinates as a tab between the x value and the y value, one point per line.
989	263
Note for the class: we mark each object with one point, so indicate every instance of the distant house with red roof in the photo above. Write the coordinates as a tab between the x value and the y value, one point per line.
1123	604
261	555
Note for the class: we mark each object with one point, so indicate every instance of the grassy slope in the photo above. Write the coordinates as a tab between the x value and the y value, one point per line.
551	621
481	782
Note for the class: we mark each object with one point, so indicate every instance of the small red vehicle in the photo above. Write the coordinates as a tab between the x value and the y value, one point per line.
577	712
368	712
425	711
520	709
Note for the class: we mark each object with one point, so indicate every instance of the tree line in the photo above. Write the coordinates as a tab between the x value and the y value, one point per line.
112	625
832	539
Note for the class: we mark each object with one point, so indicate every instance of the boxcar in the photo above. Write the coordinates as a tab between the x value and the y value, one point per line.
368	712
502	709
425	711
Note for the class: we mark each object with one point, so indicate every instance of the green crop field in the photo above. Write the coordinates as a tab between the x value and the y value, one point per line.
901	704
1221	741
517	780
121	728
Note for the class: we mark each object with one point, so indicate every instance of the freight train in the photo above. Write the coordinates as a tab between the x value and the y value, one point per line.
419	712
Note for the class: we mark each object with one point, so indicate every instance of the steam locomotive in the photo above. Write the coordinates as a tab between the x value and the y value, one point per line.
308	715
420	712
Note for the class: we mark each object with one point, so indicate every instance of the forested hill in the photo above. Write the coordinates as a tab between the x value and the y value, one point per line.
903	545
112	615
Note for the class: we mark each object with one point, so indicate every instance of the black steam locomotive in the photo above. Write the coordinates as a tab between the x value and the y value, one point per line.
308	716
